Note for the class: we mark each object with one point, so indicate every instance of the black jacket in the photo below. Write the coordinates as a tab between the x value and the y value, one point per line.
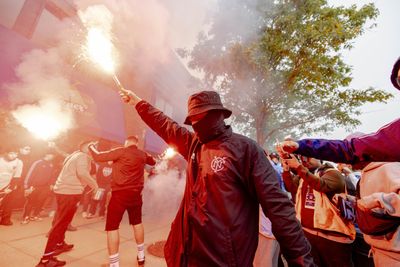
41	173
227	179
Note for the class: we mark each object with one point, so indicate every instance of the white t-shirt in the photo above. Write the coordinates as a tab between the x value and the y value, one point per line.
265	227
9	170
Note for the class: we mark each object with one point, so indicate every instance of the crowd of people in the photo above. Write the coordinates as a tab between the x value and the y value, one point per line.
316	213
31	183
85	177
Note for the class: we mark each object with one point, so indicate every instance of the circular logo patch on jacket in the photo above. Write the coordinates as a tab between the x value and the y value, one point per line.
107	171
218	164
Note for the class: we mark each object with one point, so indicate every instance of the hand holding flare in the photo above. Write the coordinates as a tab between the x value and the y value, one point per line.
129	97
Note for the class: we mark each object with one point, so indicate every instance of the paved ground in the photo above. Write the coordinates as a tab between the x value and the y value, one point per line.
23	245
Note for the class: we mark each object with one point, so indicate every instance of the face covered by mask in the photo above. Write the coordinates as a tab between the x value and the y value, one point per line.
210	126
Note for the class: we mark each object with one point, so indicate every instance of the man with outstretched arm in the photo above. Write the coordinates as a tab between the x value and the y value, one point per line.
127	185
228	176
383	145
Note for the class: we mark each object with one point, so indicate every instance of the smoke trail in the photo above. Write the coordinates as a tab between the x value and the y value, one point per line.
163	193
41	75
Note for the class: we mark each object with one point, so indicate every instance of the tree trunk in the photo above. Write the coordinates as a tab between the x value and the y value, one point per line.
260	132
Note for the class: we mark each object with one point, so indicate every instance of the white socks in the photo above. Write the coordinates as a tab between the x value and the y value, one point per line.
114	260
140	252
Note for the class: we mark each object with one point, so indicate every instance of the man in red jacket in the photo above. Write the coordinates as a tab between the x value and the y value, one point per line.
126	184
228	176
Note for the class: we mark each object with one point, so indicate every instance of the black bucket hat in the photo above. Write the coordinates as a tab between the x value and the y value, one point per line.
205	101
394	75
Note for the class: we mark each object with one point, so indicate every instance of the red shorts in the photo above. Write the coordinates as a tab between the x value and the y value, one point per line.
120	202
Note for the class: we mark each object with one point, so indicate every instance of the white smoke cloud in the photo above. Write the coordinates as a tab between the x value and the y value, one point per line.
40	92
162	193
41	75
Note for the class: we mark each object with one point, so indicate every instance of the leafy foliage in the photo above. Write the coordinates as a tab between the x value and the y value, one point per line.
279	67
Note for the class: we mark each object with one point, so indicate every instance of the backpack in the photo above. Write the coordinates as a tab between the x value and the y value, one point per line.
342	201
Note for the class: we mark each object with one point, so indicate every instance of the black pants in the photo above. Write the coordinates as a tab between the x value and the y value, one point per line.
7	205
327	253
36	200
66	208
361	252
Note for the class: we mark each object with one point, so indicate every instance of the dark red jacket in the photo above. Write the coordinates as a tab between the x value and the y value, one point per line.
227	179
127	168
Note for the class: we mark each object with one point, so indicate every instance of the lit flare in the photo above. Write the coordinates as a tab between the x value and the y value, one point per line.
100	49
169	153
45	121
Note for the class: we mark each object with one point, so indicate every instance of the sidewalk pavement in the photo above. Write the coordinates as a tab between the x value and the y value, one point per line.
23	245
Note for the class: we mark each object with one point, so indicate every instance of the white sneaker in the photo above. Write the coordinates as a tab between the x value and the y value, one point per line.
25	221
84	214
36	218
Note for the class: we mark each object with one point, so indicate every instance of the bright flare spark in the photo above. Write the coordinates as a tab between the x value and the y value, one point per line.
100	49
45	121
169	153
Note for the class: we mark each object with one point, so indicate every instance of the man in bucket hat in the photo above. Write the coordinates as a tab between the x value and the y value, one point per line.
384	145
228	176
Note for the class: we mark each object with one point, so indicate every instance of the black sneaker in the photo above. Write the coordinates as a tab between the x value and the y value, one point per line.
141	261
62	248
6	223
51	262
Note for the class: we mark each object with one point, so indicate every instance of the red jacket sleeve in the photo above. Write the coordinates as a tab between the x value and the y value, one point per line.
105	156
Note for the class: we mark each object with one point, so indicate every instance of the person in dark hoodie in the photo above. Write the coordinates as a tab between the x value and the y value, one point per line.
38	183
384	145
228	176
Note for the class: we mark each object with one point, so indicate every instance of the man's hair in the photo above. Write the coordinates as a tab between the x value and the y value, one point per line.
11	148
133	138
83	143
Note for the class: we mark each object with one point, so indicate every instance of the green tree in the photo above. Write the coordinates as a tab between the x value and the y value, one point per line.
284	73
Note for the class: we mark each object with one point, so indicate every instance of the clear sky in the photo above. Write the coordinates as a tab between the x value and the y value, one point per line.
372	59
